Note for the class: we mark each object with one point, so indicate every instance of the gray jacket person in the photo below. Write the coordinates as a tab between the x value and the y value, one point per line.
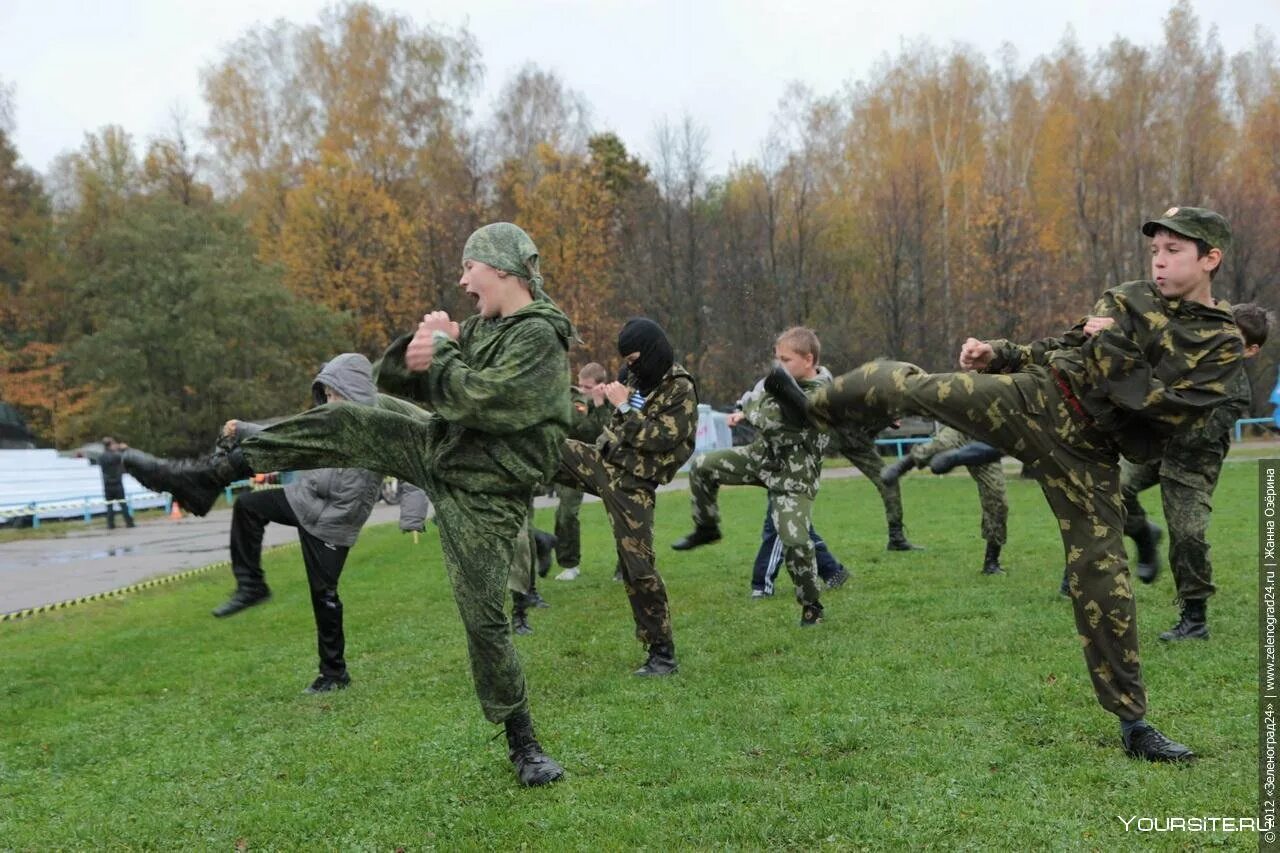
327	505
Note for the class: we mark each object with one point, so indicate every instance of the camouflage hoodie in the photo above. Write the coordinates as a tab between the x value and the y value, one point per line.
1162	368
790	458
652	441
502	394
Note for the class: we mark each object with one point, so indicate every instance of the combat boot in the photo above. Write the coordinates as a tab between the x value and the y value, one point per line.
1148	542
1193	625
662	660
893	472
194	483
898	540
991	563
810	615
519	614
701	535
1145	741
973	453
533	766
792	403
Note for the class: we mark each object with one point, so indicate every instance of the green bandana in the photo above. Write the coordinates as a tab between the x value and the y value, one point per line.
506	247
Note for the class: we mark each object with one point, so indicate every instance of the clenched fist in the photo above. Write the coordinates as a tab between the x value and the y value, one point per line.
422	349
976	354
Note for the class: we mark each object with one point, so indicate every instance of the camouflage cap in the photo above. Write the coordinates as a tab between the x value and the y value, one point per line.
506	247
1197	223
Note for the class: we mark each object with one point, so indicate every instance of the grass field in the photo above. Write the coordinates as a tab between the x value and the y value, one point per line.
935	708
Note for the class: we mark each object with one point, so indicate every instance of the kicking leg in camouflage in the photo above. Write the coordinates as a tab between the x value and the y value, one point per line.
1078	470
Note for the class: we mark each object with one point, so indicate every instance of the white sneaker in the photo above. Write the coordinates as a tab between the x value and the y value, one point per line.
568	574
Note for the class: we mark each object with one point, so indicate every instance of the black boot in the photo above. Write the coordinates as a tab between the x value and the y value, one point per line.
973	453
662	660
533	766
810	615
700	536
519	614
194	483
1065	587
792	402
1145	741
242	599
1193	625
898	540
546	546
1148	542
991	562
893	472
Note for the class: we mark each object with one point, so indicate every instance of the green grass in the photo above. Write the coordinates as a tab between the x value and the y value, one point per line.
935	708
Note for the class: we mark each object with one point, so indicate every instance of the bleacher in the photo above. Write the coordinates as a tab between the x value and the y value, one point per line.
40	484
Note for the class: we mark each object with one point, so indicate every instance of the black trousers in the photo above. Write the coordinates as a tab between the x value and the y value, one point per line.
112	496
249	518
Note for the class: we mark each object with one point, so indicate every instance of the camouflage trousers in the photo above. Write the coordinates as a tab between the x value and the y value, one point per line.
864	456
629	503
479	531
568	530
791	511
1078	470
525	560
989	477
1188	503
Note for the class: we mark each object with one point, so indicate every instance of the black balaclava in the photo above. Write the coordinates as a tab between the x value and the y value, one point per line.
642	335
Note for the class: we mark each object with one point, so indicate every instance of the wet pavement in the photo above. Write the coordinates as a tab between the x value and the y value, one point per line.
43	571
37	572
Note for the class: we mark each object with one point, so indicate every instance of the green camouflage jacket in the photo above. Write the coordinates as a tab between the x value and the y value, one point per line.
589	420
502	395
789	458
1162	368
652	442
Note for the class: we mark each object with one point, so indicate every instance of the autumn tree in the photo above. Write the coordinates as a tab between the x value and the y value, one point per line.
198	332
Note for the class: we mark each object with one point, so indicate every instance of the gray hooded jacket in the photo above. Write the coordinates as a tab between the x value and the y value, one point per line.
332	504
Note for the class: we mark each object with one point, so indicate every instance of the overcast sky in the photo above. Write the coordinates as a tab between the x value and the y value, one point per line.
77	66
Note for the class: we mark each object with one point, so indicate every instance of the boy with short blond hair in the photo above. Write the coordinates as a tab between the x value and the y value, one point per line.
784	459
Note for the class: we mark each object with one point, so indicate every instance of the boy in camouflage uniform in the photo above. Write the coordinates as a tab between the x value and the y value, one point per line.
769	560
650	435
991	487
1156	359
785	459
497	386
591	412
1188	474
